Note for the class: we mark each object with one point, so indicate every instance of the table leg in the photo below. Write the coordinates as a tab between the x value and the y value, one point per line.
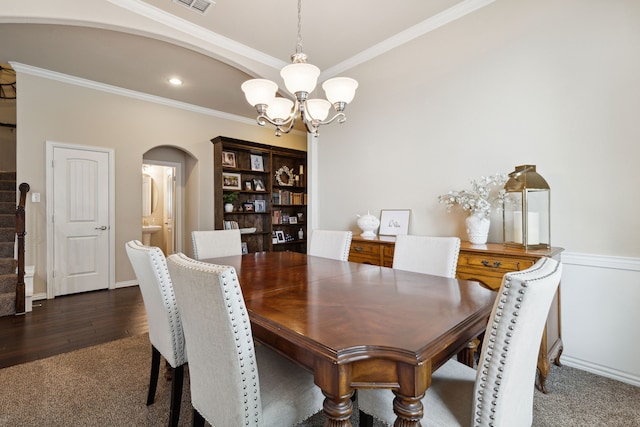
338	410
408	409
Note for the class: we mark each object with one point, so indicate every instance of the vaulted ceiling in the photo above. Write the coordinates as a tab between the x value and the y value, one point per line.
139	45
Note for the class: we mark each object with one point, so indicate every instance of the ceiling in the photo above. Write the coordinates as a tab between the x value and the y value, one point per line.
139	45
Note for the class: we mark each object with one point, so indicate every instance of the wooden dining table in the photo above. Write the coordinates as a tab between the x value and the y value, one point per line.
360	326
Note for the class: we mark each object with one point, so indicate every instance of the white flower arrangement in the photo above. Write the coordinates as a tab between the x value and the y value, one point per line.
478	200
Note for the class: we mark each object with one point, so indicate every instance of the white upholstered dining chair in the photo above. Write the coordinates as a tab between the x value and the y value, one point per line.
233	382
428	255
330	244
216	243
500	392
163	318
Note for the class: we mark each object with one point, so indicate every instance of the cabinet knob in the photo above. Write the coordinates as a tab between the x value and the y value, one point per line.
496	264
358	248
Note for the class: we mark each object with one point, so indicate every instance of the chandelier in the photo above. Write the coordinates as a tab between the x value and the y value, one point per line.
300	78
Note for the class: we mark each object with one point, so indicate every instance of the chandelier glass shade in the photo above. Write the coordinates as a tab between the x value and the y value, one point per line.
300	79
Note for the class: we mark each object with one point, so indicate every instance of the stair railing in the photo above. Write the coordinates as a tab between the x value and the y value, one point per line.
20	232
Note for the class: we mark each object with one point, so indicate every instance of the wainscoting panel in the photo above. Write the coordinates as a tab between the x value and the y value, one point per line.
600	303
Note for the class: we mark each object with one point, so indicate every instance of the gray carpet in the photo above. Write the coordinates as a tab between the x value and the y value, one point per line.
106	385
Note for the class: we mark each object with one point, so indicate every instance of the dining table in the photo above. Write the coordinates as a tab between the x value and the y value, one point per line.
358	326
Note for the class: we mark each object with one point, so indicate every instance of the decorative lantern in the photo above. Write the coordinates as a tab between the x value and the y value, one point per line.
527	210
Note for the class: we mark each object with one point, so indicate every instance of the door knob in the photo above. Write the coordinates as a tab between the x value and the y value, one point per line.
104	227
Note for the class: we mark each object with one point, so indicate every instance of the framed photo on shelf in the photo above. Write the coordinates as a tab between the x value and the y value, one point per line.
229	159
248	207
258	185
293	220
231	181
257	163
394	222
248	185
260	205
280	236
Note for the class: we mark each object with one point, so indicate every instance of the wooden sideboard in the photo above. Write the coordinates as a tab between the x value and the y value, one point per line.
486	264
374	250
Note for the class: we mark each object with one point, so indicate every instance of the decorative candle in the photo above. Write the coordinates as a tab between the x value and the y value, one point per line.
533	232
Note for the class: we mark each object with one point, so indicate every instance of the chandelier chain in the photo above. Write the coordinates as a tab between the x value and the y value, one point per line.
299	41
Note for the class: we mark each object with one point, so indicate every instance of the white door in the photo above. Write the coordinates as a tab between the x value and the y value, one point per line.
169	210
80	220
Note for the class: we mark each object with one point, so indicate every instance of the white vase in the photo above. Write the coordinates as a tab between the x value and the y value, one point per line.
368	224
478	229
228	207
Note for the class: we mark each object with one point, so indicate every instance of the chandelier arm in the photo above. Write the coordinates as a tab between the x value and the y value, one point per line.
341	117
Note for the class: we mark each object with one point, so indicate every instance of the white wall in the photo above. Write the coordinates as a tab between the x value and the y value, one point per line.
61	112
550	83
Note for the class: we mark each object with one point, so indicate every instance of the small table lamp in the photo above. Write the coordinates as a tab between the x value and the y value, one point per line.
526	211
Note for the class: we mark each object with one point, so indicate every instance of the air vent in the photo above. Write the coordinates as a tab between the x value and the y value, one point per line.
200	6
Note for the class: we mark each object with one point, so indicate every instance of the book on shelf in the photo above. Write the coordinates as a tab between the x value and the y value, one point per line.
286	197
231	225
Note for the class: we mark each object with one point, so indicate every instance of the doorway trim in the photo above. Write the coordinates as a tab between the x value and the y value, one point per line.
50	146
178	224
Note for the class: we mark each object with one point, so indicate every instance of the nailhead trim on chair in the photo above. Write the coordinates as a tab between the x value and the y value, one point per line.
175	324
501	316
242	333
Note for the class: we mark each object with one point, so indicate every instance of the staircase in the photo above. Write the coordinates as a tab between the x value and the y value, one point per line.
8	276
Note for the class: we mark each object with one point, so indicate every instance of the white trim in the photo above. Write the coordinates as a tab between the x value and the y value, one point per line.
436	21
603	371
40	296
126	284
187	27
77	81
432	23
601	261
50	146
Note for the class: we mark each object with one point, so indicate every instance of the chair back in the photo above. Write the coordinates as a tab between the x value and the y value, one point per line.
163	316
330	244
216	243
503	393
223	372
428	255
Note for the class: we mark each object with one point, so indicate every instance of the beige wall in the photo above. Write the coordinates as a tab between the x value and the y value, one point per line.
550	83
53	111
7	136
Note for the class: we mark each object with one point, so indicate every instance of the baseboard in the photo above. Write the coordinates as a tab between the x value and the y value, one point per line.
603	371
601	261
126	284
40	296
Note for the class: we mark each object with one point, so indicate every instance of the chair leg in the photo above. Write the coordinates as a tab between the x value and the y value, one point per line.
176	395
198	420
153	376
366	420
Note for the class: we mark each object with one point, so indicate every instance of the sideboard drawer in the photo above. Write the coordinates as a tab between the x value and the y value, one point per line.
493	263
365	252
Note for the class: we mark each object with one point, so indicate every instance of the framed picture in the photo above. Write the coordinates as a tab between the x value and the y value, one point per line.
260	205
394	222
258	185
229	159
280	236
247	207
293	220
231	181
256	163
248	185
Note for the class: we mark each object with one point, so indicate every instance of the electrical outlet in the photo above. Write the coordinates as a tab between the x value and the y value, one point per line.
35	197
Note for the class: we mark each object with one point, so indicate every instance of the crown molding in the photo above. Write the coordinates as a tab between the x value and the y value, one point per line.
184	26
436	21
77	81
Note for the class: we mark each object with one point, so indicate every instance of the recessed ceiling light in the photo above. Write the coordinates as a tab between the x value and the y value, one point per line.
175	81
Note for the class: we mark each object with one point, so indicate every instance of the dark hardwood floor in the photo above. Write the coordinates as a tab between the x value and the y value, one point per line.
71	322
